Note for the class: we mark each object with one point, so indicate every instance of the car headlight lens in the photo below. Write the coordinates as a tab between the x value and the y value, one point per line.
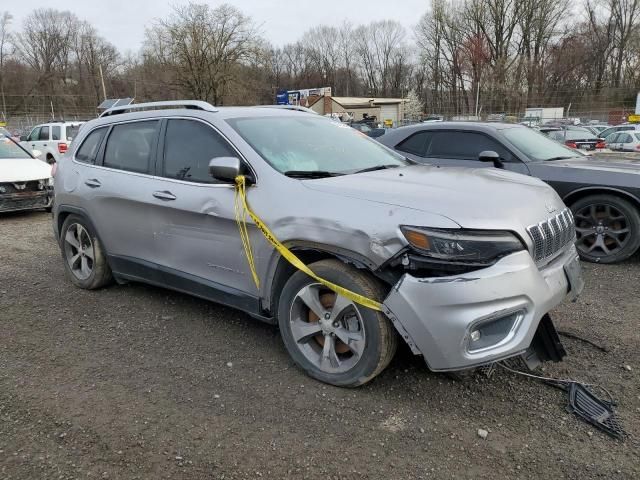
472	246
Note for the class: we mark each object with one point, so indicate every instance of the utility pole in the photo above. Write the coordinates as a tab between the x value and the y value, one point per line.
104	90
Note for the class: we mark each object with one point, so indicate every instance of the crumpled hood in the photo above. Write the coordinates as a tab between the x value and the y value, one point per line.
23	170
482	198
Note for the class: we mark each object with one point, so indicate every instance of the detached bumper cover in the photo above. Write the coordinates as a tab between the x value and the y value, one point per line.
25	201
436	316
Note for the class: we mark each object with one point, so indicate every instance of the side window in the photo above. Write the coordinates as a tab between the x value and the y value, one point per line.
613	138
34	135
129	146
88	151
625	138
55	132
44	134
464	146
188	148
415	144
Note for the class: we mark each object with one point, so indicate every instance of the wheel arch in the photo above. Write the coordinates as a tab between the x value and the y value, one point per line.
63	212
576	195
281	270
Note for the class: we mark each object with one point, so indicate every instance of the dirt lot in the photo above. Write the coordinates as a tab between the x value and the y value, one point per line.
138	382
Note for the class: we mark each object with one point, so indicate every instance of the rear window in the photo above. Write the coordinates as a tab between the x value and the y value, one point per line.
72	131
129	146
88	151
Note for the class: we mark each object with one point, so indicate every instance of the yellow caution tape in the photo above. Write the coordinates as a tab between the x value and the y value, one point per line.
242	209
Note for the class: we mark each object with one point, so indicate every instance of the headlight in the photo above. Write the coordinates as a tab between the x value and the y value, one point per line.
468	246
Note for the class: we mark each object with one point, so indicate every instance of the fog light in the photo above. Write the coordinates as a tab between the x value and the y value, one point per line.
494	331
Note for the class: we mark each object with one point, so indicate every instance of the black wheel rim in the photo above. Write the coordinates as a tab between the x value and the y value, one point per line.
602	230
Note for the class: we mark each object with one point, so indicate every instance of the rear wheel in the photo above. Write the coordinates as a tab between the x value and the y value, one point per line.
329	336
607	228
85	261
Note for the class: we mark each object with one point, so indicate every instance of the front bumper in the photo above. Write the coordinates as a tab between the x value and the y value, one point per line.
30	200
436	316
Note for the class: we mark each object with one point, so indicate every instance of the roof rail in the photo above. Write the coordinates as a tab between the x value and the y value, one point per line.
189	104
289	107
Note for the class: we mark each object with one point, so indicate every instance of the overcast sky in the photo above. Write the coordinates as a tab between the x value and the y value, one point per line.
123	22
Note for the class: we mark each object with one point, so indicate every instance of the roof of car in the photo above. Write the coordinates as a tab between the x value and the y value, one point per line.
479	126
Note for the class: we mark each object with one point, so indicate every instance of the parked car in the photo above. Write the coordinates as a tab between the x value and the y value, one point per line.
599	128
367	130
604	194
25	182
52	139
580	139
626	127
457	257
628	141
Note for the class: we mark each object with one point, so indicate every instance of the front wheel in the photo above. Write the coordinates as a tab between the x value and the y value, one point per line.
329	336
607	228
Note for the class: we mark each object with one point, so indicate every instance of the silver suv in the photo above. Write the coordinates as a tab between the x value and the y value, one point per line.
467	263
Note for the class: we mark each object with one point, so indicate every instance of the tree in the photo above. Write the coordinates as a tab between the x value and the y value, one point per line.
413	106
201	46
5	22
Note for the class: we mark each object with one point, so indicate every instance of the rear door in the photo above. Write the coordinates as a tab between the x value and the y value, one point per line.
625	142
197	234
119	196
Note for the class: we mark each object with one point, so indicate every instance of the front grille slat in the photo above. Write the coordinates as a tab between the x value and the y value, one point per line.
552	235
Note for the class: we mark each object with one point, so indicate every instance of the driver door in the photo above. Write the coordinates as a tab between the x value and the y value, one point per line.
197	235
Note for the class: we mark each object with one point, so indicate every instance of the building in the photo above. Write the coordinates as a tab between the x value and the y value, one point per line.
384	110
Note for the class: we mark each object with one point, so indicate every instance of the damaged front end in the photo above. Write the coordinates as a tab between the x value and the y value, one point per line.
476	316
31	195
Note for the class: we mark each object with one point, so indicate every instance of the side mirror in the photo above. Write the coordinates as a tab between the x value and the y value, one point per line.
491	156
225	169
36	153
23	138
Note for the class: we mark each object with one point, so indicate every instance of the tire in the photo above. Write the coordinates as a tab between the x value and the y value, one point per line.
607	228
97	274
372	339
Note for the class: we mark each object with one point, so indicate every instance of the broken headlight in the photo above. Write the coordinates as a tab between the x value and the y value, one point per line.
462	246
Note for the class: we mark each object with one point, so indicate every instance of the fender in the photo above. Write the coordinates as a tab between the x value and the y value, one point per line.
57	224
272	272
597	189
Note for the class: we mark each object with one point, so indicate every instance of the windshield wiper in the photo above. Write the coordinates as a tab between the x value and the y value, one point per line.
311	174
377	167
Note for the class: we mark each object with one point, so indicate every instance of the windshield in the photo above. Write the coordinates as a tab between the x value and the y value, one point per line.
537	146
307	144
8	149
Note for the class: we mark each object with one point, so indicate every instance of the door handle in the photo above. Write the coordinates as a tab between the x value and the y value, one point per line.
164	195
93	183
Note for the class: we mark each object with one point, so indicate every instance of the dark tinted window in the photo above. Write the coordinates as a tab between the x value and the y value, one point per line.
189	146
415	143
55	132
463	146
88	151
129	146
34	135
44	133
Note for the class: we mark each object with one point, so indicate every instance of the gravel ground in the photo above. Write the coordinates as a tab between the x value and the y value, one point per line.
139	382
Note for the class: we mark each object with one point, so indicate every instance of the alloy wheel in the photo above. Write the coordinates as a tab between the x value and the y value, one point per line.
79	251
327	328
601	230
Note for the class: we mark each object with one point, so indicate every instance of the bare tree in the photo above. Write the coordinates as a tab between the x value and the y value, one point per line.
5	22
202	45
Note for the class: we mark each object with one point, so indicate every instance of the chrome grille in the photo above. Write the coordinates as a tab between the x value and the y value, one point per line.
550	236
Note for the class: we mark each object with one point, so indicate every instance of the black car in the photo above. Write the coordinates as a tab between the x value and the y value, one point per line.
604	194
